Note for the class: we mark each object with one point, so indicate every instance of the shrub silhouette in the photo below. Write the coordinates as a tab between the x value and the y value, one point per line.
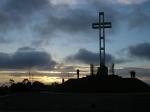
25	85
38	85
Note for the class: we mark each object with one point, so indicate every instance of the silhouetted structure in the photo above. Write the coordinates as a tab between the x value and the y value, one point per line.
113	69
102	71
91	69
78	73
132	73
111	84
101	25
63	80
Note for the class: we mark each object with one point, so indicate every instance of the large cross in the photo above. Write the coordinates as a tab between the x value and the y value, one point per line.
101	25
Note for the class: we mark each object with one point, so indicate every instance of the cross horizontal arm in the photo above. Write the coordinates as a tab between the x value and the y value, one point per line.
100	25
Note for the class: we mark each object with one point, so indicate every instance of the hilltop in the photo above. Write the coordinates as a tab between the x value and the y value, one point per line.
112	83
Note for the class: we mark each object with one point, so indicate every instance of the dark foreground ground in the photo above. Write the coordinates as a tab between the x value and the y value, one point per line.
76	102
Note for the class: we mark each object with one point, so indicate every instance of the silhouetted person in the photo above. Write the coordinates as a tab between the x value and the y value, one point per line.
132	73
63	80
78	72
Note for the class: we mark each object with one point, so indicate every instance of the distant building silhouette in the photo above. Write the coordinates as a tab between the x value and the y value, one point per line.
78	73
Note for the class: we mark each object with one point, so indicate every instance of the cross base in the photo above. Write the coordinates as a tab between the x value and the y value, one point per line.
102	71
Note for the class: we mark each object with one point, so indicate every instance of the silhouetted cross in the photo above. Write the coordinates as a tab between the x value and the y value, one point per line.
101	25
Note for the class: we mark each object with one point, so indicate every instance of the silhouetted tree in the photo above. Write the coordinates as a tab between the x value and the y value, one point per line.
25	81
11	81
37	85
54	84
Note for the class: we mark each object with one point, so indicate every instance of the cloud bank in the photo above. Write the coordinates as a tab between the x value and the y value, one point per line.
45	19
141	50
26	58
48	17
88	57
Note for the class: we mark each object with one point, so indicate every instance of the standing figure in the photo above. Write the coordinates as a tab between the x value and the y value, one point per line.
132	73
78	72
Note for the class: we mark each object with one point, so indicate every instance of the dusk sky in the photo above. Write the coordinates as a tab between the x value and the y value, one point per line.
57	35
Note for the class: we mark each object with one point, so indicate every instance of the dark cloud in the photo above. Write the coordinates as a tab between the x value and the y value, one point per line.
141	50
19	14
16	12
78	20
26	58
26	49
5	60
139	17
75	20
23	7
69	19
88	57
135	14
4	40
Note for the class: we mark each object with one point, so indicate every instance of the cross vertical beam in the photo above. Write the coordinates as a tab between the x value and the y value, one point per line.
101	25
102	39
